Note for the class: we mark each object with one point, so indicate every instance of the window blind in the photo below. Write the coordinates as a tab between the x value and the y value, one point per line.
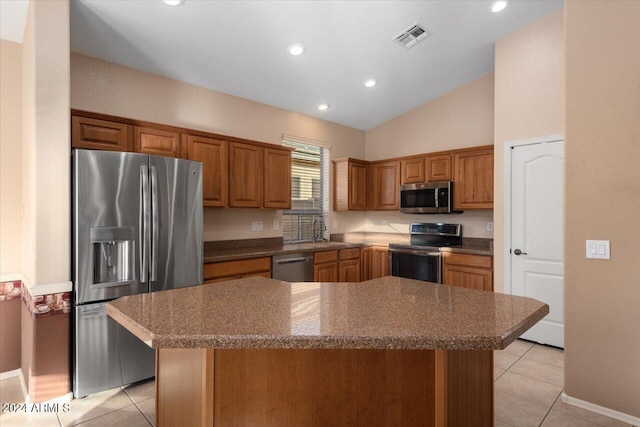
309	192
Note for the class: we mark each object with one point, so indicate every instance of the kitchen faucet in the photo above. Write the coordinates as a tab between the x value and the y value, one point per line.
317	234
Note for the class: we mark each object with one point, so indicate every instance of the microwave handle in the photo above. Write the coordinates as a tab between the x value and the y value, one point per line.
437	197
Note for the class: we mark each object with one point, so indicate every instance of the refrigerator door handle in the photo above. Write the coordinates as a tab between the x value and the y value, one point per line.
154	224
144	222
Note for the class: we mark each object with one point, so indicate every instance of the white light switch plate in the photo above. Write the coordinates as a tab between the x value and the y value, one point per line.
385	222
256	225
599	249
490	226
276	224
335	223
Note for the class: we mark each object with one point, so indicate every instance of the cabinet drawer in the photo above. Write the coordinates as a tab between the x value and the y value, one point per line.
239	276
230	269
349	253
326	256
481	261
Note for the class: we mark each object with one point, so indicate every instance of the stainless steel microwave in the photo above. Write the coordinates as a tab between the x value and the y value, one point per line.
427	197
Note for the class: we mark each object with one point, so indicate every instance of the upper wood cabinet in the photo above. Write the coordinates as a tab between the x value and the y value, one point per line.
412	170
467	270
277	178
349	185
100	134
473	179
213	155
385	186
438	167
160	142
246	166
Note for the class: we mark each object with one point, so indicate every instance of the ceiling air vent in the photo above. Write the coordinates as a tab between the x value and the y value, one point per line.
412	35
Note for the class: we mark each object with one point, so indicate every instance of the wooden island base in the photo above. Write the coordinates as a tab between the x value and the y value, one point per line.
292	387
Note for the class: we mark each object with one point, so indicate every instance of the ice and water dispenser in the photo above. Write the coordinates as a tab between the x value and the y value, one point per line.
113	255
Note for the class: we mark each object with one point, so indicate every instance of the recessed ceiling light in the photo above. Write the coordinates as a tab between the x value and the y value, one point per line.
296	49
324	107
369	83
498	5
174	2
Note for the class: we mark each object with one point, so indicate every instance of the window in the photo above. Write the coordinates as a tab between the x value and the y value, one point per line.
309	191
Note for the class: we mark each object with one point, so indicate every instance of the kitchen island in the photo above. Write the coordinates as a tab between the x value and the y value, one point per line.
387	352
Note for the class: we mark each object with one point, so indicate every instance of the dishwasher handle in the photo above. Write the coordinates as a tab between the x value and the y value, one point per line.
292	260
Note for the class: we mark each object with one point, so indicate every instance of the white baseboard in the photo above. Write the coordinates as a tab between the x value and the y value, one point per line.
635	421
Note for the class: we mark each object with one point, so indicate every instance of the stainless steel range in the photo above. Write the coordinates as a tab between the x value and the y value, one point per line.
422	259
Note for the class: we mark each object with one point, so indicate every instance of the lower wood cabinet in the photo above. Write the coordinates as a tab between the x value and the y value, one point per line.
374	262
349	265
325	266
337	266
229	270
468	271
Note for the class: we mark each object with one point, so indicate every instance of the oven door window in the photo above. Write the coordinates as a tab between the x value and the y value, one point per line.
414	266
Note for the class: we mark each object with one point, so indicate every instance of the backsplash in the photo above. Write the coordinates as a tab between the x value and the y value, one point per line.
474	223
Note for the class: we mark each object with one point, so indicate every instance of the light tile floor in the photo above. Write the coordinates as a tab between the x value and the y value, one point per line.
528	381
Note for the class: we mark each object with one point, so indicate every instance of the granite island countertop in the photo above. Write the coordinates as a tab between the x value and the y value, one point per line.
384	313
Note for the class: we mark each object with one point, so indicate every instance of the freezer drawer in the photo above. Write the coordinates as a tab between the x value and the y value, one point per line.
106	355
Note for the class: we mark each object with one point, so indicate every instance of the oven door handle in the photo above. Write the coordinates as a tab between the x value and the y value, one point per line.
415	252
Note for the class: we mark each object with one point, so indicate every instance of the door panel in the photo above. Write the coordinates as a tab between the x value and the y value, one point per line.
106	354
107	223
537	221
176	199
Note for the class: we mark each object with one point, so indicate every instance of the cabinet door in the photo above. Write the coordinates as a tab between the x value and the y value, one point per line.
473	176
156	141
366	266
380	263
100	134
277	178
468	277
213	155
357	186
385	186
245	175
413	170
349	271
438	168
327	272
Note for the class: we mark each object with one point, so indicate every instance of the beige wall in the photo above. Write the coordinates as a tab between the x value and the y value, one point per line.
602	297
460	118
529	102
113	89
46	185
10	157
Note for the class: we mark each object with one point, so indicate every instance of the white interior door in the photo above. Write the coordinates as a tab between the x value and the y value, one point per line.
537	234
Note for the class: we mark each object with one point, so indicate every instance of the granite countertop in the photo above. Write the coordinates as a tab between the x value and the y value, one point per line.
384	313
212	253
218	255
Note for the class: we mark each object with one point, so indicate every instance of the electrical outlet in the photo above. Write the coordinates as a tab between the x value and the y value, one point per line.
335	223
256	226
384	223
490	226
276	224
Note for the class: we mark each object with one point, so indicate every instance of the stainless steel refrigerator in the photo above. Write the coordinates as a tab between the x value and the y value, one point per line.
137	228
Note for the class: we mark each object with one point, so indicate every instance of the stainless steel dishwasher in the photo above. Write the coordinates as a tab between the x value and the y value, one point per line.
296	267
